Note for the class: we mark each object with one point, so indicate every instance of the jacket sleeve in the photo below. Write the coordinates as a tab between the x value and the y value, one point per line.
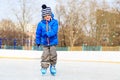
38	34
54	30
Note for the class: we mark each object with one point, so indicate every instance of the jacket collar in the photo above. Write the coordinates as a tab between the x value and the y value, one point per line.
44	21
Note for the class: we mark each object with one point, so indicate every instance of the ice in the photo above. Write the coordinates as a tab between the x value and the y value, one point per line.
23	69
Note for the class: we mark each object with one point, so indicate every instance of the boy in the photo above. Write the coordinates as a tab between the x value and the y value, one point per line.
46	35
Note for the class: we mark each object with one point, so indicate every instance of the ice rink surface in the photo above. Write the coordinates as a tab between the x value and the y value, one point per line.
21	69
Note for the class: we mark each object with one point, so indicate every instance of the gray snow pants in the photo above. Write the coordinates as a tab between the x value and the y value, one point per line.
49	56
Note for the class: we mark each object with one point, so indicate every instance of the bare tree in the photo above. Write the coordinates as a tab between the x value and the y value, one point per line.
24	14
108	27
73	20
90	27
116	6
115	30
9	32
86	20
60	10
6	25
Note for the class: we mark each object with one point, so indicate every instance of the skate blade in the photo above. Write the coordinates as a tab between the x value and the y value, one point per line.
53	74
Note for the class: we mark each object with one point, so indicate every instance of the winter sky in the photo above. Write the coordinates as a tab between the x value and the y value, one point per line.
6	5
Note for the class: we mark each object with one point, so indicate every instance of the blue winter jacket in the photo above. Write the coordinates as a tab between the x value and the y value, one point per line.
42	35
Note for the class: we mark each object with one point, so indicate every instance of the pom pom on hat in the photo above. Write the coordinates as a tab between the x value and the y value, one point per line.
44	6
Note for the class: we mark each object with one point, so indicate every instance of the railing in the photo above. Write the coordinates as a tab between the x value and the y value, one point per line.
78	48
28	46
91	48
57	48
14	47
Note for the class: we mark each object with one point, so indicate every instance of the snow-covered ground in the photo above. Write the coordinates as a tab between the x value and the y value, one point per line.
101	56
72	65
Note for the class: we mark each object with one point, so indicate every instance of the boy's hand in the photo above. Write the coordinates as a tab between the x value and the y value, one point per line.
46	34
38	45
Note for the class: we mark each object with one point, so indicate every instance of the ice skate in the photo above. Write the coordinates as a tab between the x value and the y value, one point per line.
43	71
53	70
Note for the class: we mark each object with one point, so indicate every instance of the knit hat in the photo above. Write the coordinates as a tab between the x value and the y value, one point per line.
46	10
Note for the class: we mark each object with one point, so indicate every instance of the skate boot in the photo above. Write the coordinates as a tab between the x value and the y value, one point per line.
43	71
53	70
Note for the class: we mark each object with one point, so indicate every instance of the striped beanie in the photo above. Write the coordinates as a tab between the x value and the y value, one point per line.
46	10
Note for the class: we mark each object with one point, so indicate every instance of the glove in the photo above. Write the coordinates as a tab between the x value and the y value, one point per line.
46	34
38	45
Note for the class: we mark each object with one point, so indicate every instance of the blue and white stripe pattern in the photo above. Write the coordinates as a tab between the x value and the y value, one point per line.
46	11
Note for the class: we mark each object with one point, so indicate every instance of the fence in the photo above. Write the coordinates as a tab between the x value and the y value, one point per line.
79	48
115	48
57	48
28	46
6	43
91	48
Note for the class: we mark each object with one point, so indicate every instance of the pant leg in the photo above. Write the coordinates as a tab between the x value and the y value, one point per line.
45	57
53	55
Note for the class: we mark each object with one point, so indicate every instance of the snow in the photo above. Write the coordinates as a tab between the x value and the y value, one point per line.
101	56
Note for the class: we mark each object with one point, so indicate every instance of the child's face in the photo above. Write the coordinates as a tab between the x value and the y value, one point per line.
47	17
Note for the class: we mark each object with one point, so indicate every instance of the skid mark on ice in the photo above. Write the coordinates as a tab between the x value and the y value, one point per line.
48	77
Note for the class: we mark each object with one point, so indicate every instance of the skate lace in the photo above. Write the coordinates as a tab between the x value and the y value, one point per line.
53	68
